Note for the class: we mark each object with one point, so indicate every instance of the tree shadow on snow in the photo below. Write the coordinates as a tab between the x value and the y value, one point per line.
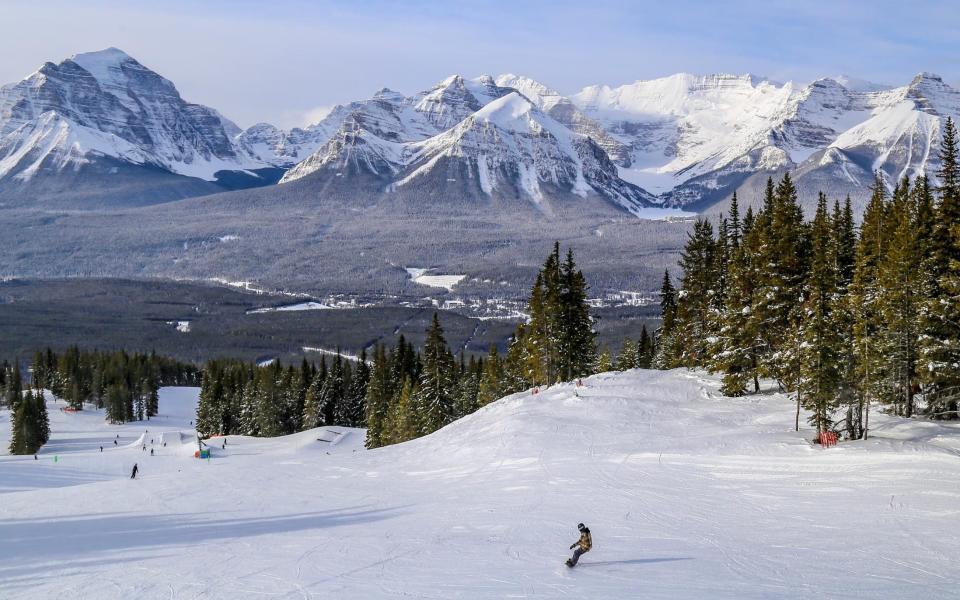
26	541
634	561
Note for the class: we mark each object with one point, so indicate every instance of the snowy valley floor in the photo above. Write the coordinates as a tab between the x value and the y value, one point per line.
688	495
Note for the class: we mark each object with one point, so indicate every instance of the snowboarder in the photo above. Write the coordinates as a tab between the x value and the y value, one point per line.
583	545
133	475
114	442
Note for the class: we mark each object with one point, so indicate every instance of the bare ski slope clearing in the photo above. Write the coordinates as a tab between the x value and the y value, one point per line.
688	495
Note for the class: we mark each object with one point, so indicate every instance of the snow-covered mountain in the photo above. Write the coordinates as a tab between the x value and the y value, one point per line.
101	124
693	139
105	108
476	136
690	140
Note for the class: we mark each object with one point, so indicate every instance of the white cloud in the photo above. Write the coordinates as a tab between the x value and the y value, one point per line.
315	115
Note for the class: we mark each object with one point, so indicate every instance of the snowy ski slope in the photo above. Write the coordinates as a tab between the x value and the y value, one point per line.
688	495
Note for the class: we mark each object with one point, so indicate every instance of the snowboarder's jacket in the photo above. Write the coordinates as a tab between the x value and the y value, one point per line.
585	542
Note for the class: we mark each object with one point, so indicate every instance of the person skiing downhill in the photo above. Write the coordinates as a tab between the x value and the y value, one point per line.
583	545
133	475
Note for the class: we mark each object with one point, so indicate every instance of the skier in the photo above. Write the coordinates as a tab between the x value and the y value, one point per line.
151	451
101	448
114	442
133	475
583	545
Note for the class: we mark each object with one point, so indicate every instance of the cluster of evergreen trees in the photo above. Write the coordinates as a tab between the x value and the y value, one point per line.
555	344
242	398
126	384
29	423
842	317
401	394
637	354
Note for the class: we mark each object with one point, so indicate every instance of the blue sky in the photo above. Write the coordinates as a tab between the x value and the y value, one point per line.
284	61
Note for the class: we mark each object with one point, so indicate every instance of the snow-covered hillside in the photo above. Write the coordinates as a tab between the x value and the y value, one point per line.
688	495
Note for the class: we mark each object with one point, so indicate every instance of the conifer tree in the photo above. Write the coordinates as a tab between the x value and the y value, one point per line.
19	418
434	396
332	393
865	294
604	361
821	348
665	347
404	422
784	257
14	386
377	402
735	354
536	339
645	345
628	358
844	253
940	348
735	229
577	348
900	285
248	424
694	300
270	422
514	365
352	411
468	390
492	381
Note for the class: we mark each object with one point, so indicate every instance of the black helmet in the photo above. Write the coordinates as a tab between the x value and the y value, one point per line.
581	526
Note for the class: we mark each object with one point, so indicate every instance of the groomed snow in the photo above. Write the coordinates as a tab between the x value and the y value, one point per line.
292	307
447	282
688	495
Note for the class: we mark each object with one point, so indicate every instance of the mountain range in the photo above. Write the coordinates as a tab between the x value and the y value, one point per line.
101	128
105	170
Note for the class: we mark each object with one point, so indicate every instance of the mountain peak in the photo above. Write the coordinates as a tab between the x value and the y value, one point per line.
451	81
506	110
100	62
107	54
926	76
